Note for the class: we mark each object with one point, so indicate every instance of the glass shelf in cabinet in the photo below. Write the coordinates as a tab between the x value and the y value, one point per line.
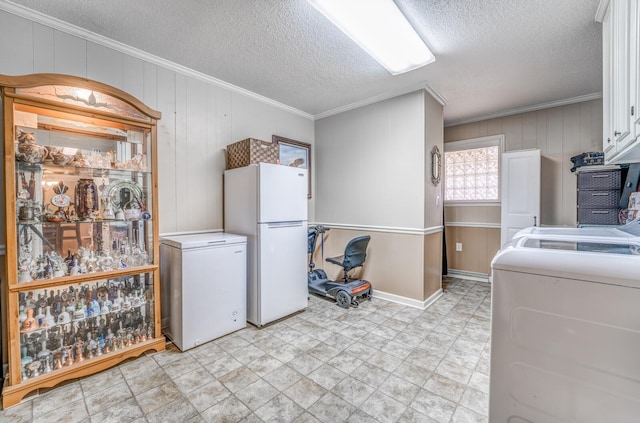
80	171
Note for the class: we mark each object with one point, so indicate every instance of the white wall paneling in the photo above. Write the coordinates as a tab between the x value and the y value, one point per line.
181	151
150	84
43	49
105	64
200	115
16	44
198	163
167	184
371	163
70	54
133	76
215	149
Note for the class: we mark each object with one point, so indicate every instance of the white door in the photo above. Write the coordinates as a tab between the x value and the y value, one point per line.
520	192
282	270
282	193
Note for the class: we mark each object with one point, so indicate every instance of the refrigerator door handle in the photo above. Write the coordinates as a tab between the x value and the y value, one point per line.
277	225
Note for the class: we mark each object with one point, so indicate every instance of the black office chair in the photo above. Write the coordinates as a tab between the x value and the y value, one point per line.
354	256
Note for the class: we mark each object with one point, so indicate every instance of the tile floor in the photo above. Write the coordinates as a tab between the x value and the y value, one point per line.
381	362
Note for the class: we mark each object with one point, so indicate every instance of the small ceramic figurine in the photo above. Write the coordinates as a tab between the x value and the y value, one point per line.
30	322
27	150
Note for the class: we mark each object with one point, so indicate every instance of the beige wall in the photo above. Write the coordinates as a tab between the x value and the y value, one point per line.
373	168
394	261
559	133
479	245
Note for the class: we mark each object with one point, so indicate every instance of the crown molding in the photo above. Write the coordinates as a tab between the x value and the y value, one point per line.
381	97
525	109
601	11
68	28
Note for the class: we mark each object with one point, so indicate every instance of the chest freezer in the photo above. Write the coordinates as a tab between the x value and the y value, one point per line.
204	287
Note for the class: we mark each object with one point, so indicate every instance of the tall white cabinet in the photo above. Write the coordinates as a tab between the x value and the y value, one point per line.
621	71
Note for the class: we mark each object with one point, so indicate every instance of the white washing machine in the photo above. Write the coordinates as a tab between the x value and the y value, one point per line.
628	232
565	330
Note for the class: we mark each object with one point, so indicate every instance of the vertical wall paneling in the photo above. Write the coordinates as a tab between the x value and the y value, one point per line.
16	44
150	86
43	49
512	128
199	167
251	119
433	136
541	131
494	127
181	152
222	135
104	65
133	76
374	149
199	117
529	130
570	147
70	54
560	133
596	125
167	151
554	130
215	162
584	127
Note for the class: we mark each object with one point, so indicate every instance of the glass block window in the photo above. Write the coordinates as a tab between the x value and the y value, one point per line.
472	174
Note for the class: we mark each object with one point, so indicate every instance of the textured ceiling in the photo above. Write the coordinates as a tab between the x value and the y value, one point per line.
491	55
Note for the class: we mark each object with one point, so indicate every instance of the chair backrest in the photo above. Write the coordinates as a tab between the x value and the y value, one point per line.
355	252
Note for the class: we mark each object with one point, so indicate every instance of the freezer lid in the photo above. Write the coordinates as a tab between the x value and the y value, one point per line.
202	240
630	231
608	263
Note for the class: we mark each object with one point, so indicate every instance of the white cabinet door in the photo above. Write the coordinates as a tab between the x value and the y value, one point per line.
608	145
621	95
635	68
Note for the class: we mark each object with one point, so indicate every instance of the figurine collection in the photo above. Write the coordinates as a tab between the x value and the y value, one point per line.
76	323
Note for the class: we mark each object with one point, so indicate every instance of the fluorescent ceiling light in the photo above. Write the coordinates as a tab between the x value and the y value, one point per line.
381	30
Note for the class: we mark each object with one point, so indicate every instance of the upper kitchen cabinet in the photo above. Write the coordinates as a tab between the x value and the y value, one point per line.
621	70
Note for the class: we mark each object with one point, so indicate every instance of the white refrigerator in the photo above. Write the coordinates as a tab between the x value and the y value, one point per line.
268	204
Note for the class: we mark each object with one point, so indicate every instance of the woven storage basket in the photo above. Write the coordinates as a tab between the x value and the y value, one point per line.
251	151
595	198
600	180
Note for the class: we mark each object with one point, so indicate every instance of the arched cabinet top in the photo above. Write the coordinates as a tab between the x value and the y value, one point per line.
79	92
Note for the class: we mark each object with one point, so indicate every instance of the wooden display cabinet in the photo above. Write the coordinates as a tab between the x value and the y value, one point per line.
82	279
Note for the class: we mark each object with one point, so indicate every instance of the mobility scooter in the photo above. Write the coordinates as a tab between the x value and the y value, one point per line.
347	291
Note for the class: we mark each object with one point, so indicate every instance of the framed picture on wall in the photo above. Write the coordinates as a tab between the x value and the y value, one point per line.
296	154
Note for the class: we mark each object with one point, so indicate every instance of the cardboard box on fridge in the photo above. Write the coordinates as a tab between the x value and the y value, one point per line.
634	201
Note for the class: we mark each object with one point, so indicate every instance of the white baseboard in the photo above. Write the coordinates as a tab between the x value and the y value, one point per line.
422	305
472	276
